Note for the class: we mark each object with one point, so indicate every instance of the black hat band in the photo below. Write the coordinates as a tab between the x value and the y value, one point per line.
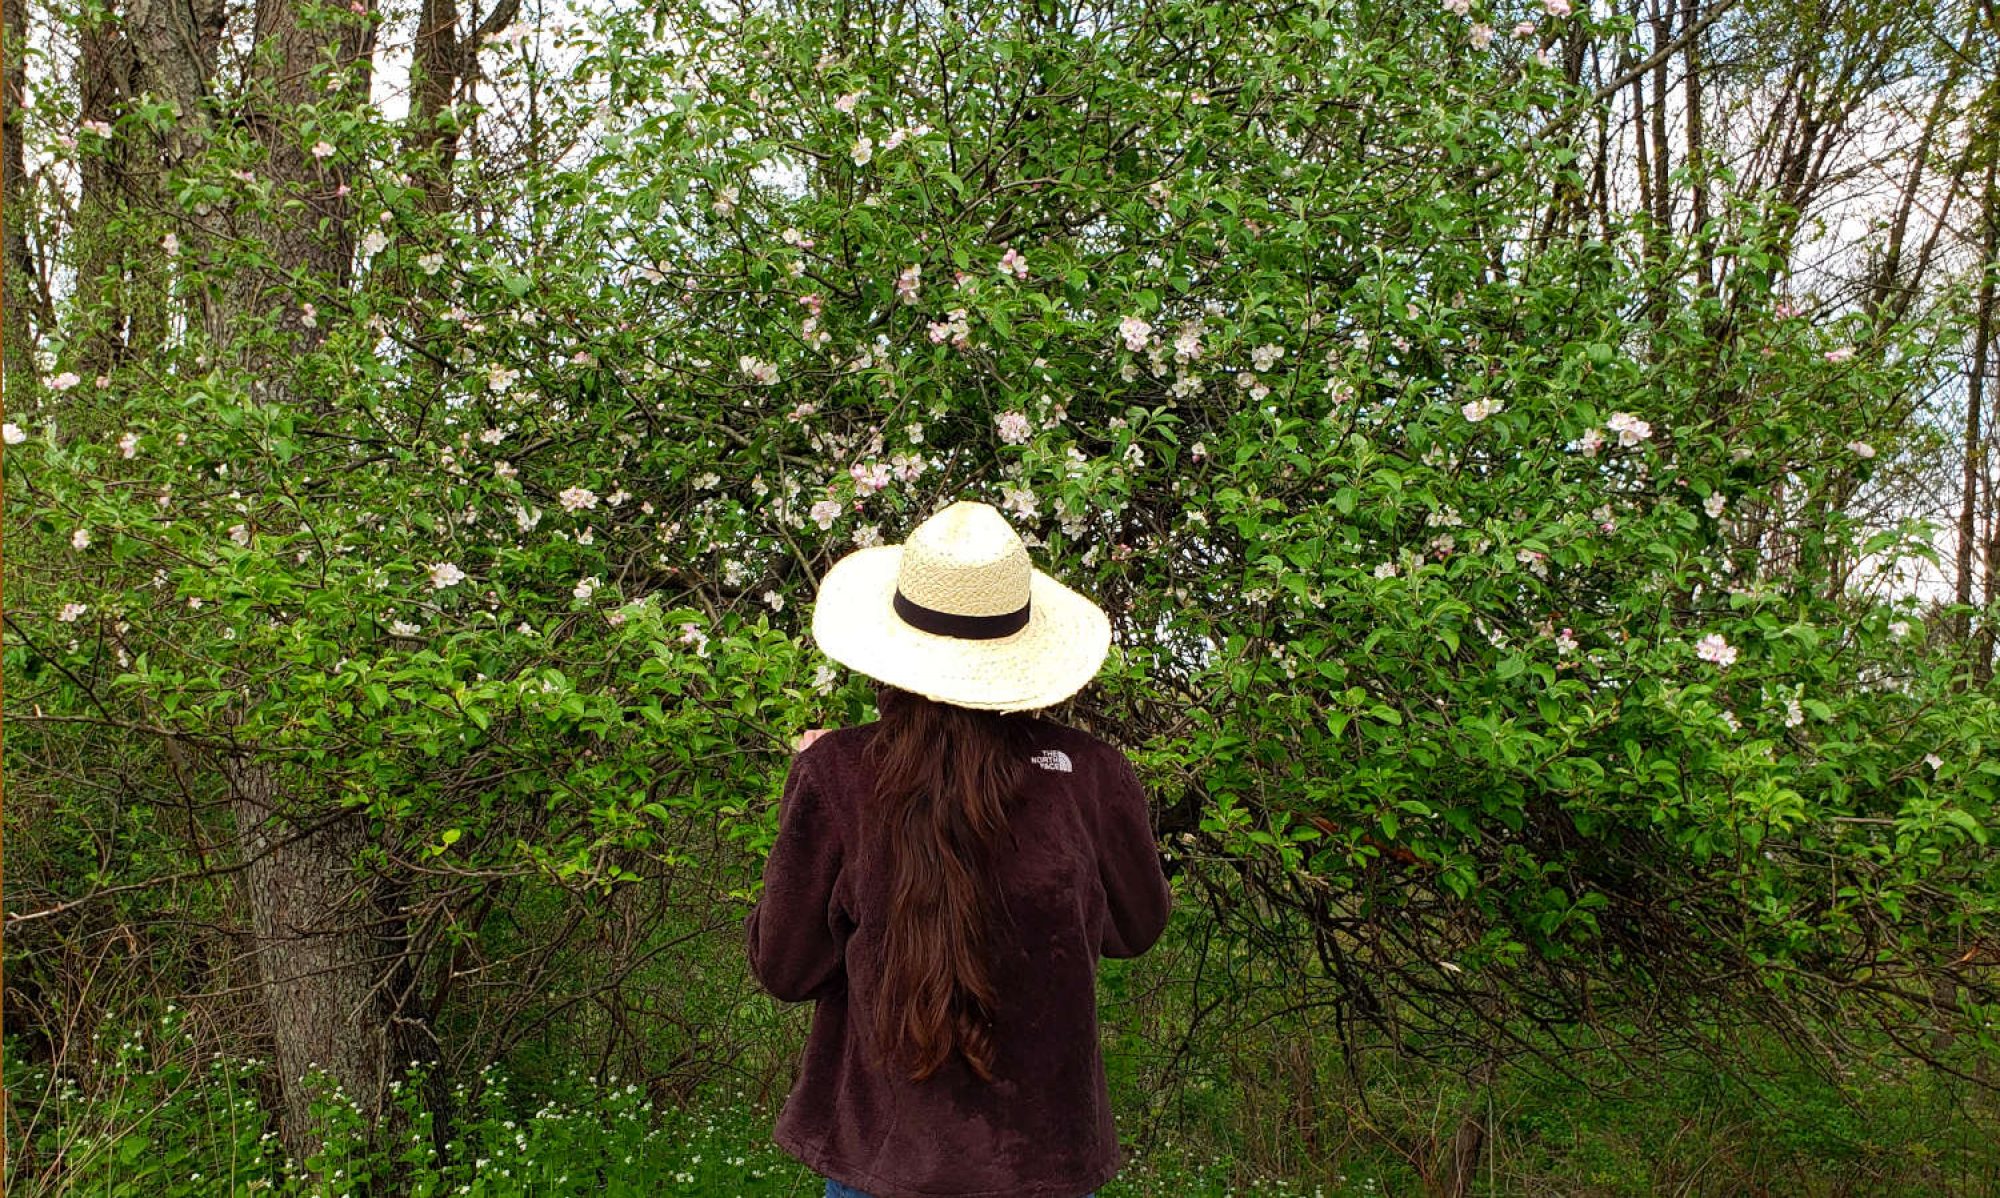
971	628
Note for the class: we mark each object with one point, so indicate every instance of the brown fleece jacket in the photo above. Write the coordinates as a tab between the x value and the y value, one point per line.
1079	876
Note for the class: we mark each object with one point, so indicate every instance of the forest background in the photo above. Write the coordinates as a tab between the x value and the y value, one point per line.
1536	457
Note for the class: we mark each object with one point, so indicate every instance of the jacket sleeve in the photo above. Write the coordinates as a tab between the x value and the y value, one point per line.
796	935
1128	861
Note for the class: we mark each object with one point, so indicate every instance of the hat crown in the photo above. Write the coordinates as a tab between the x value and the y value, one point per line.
966	560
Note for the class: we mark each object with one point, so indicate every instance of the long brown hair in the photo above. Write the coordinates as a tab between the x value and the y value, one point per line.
944	778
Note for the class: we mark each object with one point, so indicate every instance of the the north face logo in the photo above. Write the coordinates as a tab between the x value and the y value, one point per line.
1052	759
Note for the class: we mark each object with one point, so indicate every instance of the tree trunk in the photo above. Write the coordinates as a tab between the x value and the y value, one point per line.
18	271
141	48
323	968
1975	465
1460	1168
102	84
1697	152
329	955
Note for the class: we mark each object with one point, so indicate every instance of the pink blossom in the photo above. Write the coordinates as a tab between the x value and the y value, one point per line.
870	478
1556	8
953	328
1136	333
1480	409
1839	355
1021	501
1630	429
1013	426
1013	263
1715	649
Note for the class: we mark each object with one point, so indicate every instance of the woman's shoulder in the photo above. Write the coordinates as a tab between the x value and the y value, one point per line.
837	747
1075	741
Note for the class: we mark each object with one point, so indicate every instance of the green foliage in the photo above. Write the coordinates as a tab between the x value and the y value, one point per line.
172	1129
1438	549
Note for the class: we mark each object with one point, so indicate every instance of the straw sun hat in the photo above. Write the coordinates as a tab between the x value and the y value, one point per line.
957	613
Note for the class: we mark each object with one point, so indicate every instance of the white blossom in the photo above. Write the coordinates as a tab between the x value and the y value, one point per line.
1715	649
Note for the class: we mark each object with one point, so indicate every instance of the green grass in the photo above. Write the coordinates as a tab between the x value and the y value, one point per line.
159	1125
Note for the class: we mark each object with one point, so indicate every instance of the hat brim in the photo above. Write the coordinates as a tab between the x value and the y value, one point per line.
1054	655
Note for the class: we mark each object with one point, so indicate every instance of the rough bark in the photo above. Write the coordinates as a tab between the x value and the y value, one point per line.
313	921
1975	399
329	954
144	49
20	312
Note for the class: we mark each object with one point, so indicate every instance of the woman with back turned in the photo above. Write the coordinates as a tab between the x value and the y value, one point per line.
946	878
